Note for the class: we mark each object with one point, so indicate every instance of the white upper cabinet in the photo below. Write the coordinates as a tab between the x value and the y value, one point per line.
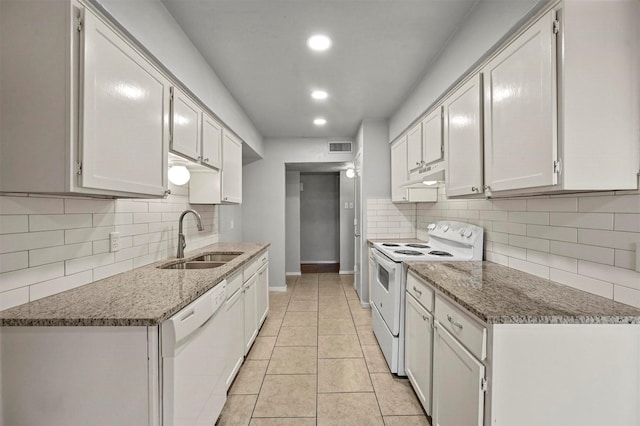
211	141
231	191
463	136
432	137
520	120
100	123
414	148
185	125
399	170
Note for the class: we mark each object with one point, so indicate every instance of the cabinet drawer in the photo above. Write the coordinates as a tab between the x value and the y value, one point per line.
255	264
460	324
418	289
234	282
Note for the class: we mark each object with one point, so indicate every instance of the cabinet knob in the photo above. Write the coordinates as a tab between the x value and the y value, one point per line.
167	192
206	160
487	188
418	163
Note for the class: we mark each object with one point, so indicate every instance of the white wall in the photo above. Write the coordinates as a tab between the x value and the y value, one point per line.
150	23
487	24
375	182
292	220
52	244
319	218
230	222
347	195
263	209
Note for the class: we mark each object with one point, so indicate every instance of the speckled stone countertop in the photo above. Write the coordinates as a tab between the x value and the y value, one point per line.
145	296
500	295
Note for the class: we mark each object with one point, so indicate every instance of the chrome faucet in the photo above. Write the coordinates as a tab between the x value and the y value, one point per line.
181	242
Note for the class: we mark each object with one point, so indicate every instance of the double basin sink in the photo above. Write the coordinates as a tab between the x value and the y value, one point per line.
204	261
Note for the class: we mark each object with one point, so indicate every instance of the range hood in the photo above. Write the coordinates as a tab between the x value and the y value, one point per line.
430	173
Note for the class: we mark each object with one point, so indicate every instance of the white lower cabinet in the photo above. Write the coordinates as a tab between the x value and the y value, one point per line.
263	294
250	312
234	319
458	395
418	331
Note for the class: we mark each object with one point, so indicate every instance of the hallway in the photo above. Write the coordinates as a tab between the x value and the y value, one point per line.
316	361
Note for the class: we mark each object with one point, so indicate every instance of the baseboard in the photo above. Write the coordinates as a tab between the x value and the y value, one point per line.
346	272
292	274
365	305
319	262
280	289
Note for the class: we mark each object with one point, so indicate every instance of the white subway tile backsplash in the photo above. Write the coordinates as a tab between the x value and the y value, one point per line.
627	295
537	218
612	274
101	246
52	222
147	217
59	253
553	233
625	259
497	215
552	205
510	205
627	222
538	244
615	204
554	261
530	268
129	206
510	251
497	258
614	239
601	288
11	298
30	240
44	289
510	228
80	264
14	224
132	252
25	277
111	219
31	205
583	220
72	236
581	251
113	269
80	205
14	261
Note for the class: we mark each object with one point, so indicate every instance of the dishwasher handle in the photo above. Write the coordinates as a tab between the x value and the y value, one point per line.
191	318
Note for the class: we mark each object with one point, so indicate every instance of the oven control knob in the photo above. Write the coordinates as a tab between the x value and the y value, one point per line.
462	231
445	228
431	226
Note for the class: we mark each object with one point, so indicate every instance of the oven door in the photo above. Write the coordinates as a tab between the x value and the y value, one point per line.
386	290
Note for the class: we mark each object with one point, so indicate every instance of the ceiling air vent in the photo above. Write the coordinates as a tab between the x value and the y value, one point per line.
339	147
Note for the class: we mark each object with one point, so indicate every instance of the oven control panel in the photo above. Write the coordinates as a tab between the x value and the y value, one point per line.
463	233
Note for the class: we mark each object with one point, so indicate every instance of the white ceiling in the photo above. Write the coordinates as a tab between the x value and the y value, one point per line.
381	49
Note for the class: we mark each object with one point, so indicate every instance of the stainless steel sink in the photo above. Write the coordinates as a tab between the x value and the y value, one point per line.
216	257
192	265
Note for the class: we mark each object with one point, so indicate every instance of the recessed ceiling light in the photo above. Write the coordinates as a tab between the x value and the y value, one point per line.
319	42
319	94
319	121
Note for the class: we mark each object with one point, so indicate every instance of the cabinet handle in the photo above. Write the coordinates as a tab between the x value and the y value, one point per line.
206	160
487	188
474	189
455	324
167	192
418	163
424	317
417	291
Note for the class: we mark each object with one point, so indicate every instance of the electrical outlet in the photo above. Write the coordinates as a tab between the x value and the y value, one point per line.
114	241
350	205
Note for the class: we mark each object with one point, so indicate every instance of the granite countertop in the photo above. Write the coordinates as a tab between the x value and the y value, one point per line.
500	295
145	296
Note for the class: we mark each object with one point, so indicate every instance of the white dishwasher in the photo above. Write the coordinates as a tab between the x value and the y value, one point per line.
194	342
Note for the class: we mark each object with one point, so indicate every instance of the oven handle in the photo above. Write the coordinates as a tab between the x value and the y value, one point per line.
387	264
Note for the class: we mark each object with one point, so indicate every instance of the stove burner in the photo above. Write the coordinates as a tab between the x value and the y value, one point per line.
415	245
409	252
440	253
391	245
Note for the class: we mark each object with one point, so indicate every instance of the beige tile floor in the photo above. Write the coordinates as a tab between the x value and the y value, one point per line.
317	362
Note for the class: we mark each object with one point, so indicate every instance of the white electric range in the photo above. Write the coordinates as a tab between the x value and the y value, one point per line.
448	241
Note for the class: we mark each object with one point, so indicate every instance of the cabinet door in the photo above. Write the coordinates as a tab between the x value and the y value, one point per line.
458	397
250	312
414	147
211	141
185	125
124	115
231	169
418	349
262	294
234	319
399	171
463	135
520	111
432	137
